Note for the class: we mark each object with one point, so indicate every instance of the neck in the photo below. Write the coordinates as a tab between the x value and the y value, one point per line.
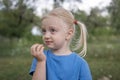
63	51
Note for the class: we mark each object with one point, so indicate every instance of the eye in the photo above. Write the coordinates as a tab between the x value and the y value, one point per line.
52	30
43	31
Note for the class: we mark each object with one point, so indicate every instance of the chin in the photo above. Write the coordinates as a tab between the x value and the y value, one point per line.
53	48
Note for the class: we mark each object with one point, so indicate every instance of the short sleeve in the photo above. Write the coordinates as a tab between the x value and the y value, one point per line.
85	73
33	66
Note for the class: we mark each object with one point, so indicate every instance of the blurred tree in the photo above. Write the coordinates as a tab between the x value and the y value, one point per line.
95	19
15	17
80	15
58	3
114	10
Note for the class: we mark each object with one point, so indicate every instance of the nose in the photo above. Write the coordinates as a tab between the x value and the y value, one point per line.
46	35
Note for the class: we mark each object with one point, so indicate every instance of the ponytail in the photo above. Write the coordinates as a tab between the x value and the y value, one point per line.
82	39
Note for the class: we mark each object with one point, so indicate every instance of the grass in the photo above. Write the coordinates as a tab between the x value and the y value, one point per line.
15	60
102	56
15	68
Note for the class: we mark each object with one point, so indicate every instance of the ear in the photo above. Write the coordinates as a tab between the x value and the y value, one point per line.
69	34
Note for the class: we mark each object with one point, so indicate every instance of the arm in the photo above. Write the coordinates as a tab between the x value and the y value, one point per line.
40	71
85	73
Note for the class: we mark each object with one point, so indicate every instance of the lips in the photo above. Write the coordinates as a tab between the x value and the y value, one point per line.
48	42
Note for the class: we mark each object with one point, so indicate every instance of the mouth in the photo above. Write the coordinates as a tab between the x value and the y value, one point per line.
48	42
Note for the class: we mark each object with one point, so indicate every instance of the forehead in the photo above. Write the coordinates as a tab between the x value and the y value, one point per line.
53	21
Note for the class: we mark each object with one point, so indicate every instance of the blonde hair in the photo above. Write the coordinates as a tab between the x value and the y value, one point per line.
69	19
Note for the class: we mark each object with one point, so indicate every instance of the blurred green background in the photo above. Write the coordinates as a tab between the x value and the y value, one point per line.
17	19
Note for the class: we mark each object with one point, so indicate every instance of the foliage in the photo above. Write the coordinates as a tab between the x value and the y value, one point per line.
80	15
15	20
114	10
58	3
95	19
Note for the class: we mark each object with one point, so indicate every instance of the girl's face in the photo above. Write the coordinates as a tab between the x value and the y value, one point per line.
54	32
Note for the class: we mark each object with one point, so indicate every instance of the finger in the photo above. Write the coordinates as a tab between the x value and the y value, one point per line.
32	51
33	48
39	47
42	49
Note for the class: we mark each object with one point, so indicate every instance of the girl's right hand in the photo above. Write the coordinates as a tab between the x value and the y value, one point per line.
37	52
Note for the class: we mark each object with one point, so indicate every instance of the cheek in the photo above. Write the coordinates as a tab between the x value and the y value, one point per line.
60	39
59	36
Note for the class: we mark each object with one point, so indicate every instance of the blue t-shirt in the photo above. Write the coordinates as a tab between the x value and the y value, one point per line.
65	67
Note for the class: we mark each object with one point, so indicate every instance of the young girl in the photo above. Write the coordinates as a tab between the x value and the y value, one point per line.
60	62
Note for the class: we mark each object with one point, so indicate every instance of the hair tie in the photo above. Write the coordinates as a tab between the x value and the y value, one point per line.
75	22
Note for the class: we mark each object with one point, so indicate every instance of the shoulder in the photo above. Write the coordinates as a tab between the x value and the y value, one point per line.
79	59
84	68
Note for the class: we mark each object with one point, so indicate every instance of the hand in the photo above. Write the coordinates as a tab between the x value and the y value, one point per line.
37	52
